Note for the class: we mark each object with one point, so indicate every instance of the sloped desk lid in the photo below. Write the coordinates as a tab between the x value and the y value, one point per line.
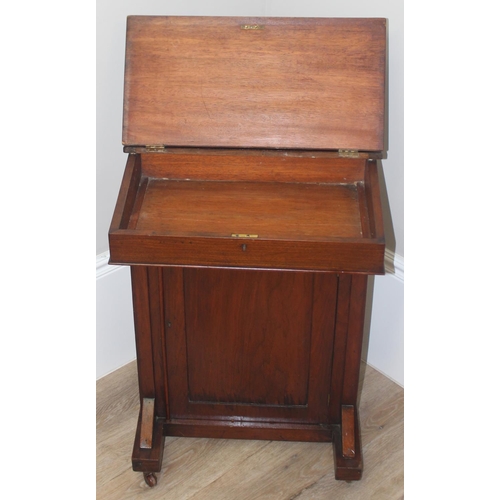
255	82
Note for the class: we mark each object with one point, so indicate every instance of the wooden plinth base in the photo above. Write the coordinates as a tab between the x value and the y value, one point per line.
345	438
149	459
347	447
226	429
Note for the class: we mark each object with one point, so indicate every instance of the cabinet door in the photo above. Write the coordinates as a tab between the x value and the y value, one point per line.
250	344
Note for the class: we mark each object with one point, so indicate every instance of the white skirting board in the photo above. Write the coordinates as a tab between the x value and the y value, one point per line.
115	324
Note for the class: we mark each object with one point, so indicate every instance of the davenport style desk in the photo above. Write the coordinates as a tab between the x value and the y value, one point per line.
249	213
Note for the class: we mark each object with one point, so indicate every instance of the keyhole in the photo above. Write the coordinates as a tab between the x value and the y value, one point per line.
244	247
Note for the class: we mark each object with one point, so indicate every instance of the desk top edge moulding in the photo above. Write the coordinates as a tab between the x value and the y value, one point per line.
250	216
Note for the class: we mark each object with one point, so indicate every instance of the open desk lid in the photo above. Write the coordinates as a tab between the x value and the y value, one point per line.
298	83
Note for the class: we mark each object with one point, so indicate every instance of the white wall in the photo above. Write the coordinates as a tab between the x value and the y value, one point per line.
385	350
115	340
385	322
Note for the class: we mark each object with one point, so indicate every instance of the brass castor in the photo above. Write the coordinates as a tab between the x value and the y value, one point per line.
150	478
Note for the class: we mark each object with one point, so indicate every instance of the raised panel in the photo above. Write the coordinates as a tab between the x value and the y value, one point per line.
248	336
248	344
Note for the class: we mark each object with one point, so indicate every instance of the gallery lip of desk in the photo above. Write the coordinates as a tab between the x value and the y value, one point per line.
190	210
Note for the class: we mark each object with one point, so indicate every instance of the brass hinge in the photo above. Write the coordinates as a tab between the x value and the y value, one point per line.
348	153
154	148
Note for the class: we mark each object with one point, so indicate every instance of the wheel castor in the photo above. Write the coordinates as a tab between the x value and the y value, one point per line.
150	478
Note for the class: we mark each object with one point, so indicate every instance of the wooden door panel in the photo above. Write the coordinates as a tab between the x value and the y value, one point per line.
239	343
248	336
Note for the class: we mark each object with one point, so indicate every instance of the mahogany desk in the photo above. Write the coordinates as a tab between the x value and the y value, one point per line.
250	216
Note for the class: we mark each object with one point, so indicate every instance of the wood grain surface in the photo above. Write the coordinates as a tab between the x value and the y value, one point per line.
312	212
222	469
293	83
262	313
307	214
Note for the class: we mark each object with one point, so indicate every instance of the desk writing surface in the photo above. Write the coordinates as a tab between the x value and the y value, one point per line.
269	210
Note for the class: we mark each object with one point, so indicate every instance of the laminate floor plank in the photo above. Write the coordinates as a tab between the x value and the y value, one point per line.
213	469
383	457
193	464
276	472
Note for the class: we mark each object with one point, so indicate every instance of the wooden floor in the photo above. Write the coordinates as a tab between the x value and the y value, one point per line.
210	469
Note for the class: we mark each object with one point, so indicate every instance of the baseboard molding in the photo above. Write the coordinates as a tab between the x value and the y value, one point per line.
102	268
394	264
385	375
